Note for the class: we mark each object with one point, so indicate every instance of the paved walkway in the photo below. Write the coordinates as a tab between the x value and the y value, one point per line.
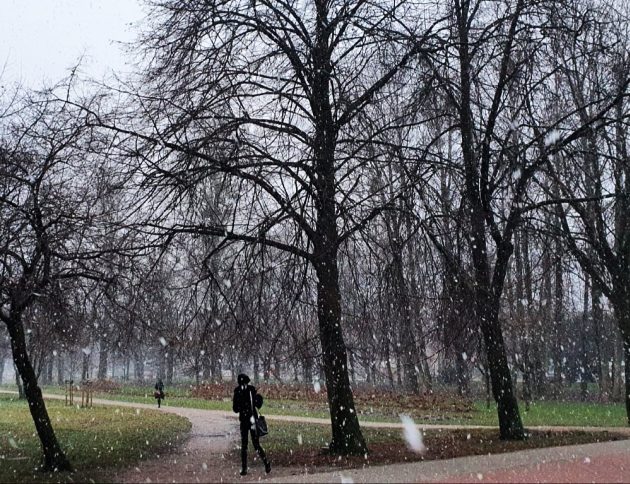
204	457
604	462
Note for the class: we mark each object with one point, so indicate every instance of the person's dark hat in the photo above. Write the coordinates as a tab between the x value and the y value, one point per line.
243	379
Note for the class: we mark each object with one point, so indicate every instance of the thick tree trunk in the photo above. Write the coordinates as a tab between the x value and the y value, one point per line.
54	457
510	424
626	354
346	433
622	315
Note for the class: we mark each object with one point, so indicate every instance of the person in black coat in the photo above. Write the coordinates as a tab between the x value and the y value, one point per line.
245	403
159	391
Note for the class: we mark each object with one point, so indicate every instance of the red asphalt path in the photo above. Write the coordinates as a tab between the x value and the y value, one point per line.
602	468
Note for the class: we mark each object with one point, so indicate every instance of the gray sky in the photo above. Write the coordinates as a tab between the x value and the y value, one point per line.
41	39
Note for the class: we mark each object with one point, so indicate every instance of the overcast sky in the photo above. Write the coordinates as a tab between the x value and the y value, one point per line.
41	39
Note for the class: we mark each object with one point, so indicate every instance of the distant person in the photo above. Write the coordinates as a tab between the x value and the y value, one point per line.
245	403
159	392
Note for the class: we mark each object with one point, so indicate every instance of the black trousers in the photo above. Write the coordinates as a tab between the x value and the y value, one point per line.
246	428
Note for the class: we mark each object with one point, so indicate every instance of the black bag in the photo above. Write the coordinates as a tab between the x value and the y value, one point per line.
260	422
261	426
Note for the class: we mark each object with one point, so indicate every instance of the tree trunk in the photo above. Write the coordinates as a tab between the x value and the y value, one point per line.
510	424
626	354
170	365
583	338
600	344
346	433
126	368
102	361
85	367
618	387
256	367
138	367
308	371
1	367
54	457
49	369
558	319
60	372
408	344
18	382
488	284
352	370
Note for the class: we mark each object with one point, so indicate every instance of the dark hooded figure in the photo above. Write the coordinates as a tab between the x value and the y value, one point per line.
159	392
245	403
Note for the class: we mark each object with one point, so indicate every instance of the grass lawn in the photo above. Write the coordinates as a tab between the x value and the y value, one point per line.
93	439
551	413
300	445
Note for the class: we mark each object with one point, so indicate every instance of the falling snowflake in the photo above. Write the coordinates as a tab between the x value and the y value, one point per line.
317	387
227	283
412	435
163	341
299	439
552	137
86	351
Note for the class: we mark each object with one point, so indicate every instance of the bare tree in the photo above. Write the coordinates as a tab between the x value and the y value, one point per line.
269	93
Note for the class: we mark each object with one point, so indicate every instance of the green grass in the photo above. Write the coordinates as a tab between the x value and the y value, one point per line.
541	413
93	438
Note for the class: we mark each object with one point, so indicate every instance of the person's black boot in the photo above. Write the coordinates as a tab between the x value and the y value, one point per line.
243	462
267	467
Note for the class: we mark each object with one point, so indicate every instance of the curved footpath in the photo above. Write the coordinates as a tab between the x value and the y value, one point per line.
205	457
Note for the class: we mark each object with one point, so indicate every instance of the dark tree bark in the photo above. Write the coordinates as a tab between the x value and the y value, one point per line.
346	433
85	366
138	366
488	283
54	457
170	365
103	357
